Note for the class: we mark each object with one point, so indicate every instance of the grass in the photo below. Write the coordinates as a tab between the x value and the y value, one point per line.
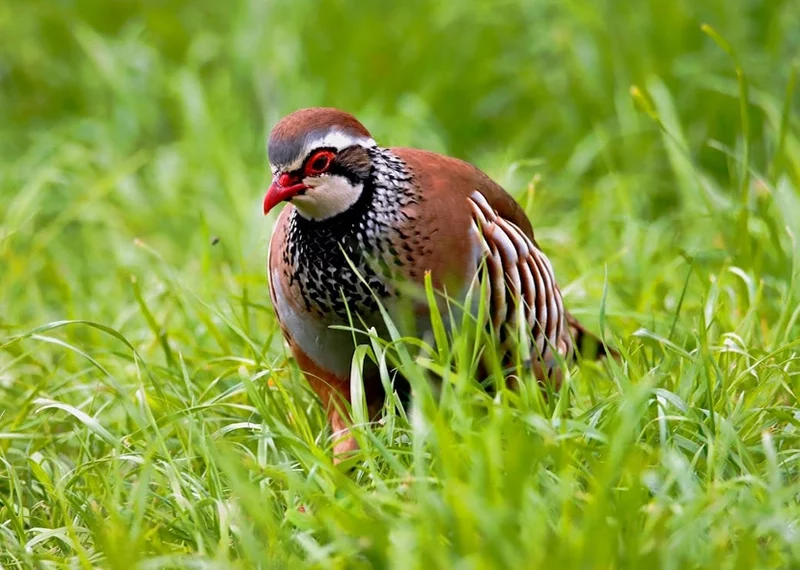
149	414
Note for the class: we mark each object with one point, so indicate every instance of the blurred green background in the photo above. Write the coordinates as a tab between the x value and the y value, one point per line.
148	119
662	185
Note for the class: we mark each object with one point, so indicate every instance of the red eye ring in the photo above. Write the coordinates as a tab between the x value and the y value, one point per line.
319	162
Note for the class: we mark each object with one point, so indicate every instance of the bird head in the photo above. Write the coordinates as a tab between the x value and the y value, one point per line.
320	162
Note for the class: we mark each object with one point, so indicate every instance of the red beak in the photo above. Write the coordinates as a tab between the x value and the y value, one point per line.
282	189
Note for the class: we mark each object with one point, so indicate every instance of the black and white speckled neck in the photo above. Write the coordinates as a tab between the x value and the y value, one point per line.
314	251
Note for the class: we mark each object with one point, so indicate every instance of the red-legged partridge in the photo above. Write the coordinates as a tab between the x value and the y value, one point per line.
412	212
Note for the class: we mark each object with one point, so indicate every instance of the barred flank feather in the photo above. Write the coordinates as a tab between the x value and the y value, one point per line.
523	287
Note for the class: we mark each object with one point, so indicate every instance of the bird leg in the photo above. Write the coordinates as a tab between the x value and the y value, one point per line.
334	394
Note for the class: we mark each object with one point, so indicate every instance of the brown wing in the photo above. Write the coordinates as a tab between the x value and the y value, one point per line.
457	200
446	184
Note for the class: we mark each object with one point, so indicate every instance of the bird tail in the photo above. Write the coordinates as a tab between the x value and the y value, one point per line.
587	344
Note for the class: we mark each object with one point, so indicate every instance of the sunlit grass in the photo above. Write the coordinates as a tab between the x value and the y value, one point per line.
150	415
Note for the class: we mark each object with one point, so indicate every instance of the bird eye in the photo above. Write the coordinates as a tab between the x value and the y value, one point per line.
319	162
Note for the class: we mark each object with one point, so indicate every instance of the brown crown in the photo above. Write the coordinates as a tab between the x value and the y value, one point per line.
290	135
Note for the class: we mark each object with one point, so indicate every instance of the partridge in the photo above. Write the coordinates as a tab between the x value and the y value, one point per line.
362	218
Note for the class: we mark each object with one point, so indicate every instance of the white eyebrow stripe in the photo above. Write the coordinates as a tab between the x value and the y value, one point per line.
332	139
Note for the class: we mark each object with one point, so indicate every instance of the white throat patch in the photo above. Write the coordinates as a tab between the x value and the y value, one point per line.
327	196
